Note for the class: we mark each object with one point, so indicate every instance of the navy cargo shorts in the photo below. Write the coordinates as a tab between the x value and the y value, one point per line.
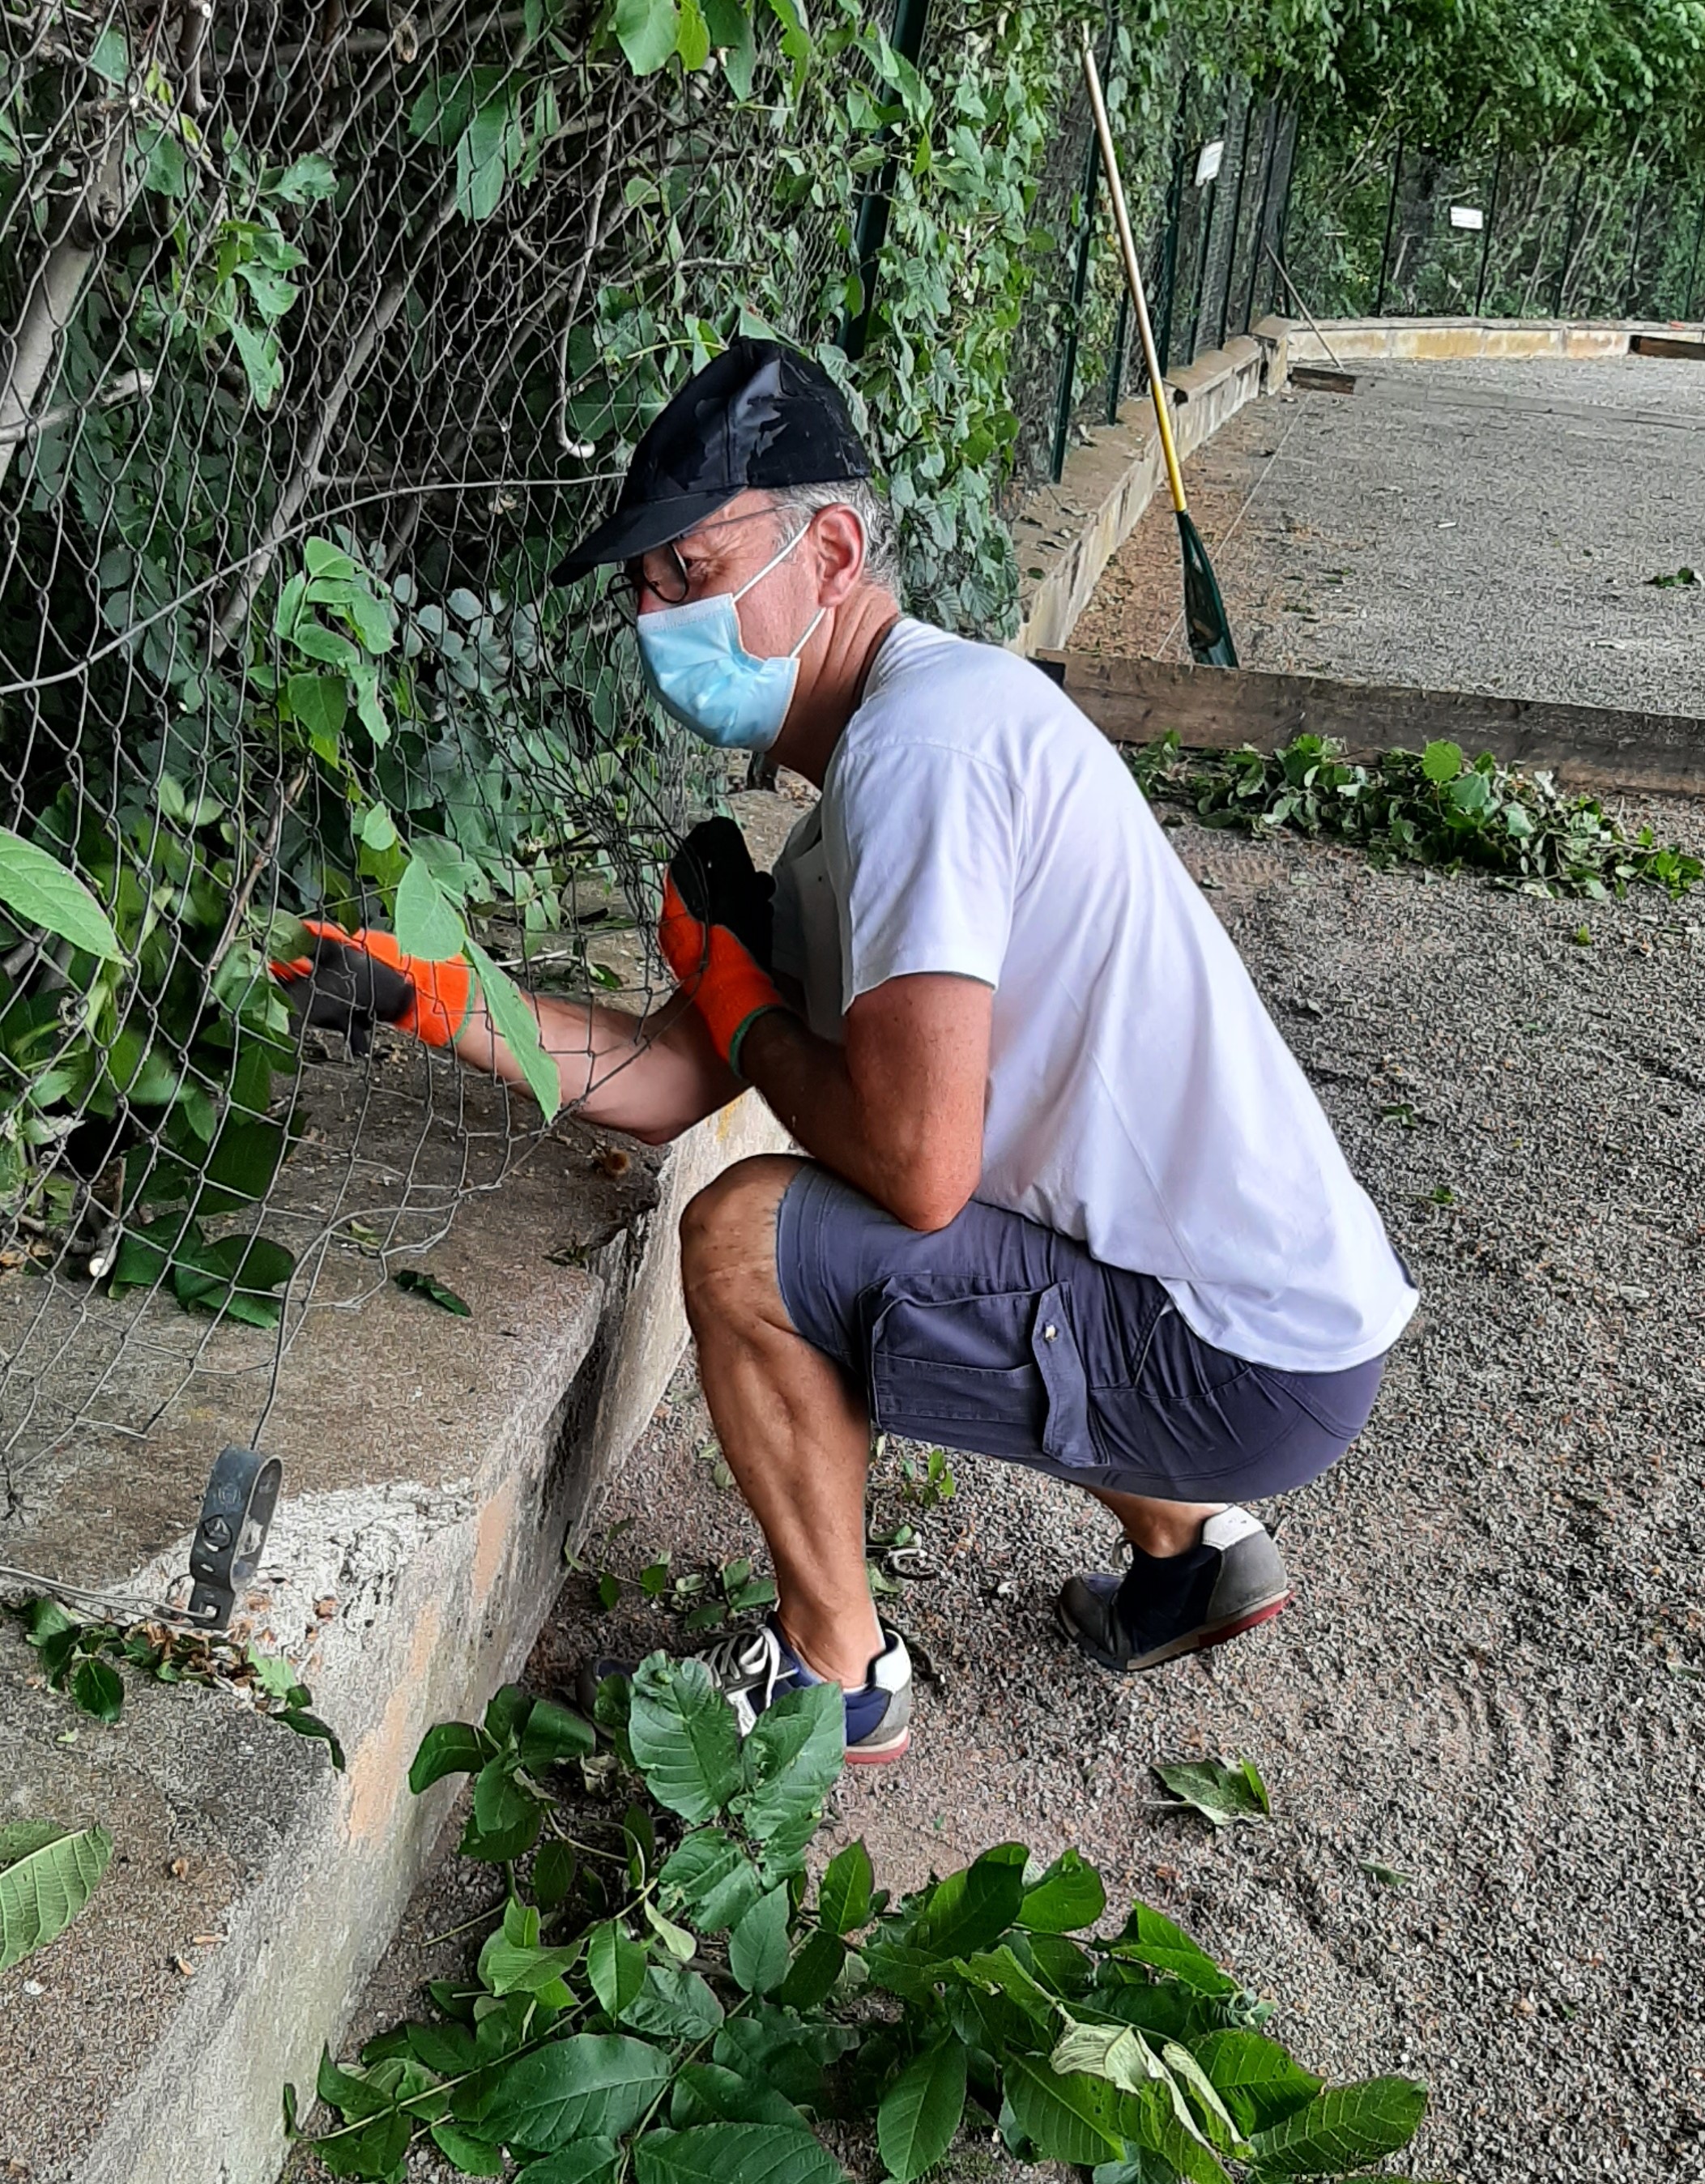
999	1336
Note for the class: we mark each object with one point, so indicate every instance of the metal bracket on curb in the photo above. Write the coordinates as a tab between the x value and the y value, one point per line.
236	1512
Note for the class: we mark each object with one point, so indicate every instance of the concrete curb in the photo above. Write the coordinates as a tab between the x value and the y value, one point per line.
1442	340
439	1466
1066	534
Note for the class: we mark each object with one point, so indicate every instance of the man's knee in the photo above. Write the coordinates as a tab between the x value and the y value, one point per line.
729	1235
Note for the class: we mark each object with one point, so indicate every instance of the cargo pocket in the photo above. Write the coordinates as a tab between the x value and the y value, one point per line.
997	1374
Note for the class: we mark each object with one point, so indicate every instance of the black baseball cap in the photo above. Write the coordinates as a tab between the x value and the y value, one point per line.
758	415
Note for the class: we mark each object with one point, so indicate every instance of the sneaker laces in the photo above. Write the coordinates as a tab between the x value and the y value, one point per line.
743	1659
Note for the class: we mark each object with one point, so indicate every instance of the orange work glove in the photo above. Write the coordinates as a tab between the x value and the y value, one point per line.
353	981
714	932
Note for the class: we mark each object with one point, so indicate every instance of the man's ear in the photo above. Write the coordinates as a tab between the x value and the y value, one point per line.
838	537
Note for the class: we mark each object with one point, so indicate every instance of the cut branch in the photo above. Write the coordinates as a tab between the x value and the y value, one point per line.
128	387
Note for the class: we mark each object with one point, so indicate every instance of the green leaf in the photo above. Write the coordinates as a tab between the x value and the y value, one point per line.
37	889
615	1966
674	2004
507	1969
1149	1937
793	1759
593	2084
260	359
728	21
1223	1795
1075	2118
1344	2128
675	1939
920	2114
972	1908
685	1739
553	1873
693	39
452	1747
814	1970
587	2161
647	32
499	1802
734	2153
710	1877
1441	762
707	2092
843	1895
427	923
466	2155
417	1280
517	1027
758	1946
42	1891
98	1689
309	1724
1069	1895
1257	2080
551	1735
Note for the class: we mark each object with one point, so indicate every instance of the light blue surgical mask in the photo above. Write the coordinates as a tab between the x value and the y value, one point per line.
700	672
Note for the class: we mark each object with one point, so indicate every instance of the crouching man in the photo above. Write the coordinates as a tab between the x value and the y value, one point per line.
1067	1198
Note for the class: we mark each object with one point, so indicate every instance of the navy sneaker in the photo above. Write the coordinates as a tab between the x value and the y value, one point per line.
751	1668
1168	1605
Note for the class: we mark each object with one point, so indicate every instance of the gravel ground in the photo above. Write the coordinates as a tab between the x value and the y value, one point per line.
1491	1679
1484	527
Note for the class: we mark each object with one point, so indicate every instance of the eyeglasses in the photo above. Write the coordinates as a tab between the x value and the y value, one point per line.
662	572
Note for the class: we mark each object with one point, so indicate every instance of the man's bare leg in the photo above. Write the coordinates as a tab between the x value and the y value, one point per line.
793	1431
1159	1528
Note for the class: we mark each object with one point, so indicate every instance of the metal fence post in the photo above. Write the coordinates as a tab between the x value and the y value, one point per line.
1391	221
1116	362
1259	238
1629	286
1282	236
1080	284
1569	239
1693	262
1169	248
870	232
1236	220
1487	239
1210	207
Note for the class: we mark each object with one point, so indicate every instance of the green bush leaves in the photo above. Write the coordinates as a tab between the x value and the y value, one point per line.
1438	807
680	2011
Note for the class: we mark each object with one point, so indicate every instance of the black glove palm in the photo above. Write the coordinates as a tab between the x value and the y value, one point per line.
348	991
718	884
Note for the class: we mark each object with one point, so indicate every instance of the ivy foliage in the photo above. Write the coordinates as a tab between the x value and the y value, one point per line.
676	2004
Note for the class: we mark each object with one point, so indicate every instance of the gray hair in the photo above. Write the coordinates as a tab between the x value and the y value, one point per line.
881	554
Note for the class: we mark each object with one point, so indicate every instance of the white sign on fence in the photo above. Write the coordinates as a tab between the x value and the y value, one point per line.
1468	216
1207	161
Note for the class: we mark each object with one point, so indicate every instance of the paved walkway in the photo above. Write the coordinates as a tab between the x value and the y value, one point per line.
1470	526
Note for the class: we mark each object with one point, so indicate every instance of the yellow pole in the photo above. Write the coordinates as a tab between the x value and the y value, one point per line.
1134	273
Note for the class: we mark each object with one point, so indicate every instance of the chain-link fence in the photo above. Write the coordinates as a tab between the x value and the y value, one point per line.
324	335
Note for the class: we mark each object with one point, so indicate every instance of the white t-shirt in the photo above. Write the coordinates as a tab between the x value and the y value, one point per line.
1140	1099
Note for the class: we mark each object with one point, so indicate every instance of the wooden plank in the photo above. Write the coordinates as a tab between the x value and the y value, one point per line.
1219	708
1321	379
1667	345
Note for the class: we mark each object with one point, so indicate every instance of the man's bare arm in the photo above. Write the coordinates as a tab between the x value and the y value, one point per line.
652	1076
898	1109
